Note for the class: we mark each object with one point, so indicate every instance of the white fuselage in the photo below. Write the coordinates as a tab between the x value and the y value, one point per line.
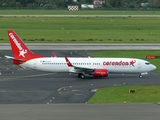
113	65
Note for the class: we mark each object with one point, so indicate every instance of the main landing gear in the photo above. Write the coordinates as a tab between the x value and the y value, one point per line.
81	75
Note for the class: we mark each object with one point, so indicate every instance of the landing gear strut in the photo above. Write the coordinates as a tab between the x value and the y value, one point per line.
81	75
140	76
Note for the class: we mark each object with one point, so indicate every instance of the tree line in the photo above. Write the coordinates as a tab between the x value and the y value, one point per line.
65	3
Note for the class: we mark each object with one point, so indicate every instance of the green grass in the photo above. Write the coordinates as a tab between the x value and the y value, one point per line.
131	54
80	12
82	30
143	94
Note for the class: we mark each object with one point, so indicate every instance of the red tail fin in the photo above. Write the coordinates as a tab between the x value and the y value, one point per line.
19	49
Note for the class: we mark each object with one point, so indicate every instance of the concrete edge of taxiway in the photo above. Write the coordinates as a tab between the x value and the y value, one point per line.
63	46
80	16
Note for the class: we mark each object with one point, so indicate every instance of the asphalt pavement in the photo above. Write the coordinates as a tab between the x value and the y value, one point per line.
30	94
26	86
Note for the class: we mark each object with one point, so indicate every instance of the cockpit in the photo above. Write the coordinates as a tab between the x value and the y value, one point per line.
147	63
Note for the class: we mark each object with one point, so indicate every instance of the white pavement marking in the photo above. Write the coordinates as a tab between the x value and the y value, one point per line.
28	76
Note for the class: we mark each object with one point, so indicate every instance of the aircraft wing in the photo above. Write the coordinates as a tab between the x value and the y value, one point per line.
78	69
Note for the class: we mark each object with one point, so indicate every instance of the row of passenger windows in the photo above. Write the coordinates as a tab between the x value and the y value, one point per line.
54	63
72	63
86	63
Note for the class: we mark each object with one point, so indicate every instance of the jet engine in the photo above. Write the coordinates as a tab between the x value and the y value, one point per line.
100	73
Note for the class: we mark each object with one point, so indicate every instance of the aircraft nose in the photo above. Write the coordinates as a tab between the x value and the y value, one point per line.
154	67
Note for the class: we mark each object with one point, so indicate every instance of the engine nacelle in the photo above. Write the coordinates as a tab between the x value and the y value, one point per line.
100	73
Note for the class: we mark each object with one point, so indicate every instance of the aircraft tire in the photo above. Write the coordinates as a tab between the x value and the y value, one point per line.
79	75
82	76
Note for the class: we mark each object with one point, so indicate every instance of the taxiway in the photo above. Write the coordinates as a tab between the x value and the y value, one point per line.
30	94
18	85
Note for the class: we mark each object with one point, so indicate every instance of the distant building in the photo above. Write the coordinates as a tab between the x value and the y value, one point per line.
87	6
72	0
98	3
144	4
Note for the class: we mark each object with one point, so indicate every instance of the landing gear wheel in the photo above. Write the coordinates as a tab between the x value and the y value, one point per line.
79	75
82	76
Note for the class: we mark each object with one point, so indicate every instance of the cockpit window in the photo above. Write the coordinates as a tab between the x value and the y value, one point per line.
147	63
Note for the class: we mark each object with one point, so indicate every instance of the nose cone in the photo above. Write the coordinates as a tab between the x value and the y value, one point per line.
153	67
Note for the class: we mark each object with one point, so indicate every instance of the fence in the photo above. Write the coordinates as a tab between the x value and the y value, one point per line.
79	8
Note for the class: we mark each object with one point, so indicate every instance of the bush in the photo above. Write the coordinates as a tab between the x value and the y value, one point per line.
4	5
12	4
18	4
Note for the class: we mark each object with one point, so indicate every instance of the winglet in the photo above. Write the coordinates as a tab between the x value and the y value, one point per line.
68	62
54	55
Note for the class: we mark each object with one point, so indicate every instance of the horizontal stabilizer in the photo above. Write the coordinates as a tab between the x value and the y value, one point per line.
15	61
9	57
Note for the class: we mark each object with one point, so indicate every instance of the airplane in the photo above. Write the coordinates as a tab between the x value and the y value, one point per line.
98	67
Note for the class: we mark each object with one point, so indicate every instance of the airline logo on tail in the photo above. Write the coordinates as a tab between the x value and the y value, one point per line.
21	50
